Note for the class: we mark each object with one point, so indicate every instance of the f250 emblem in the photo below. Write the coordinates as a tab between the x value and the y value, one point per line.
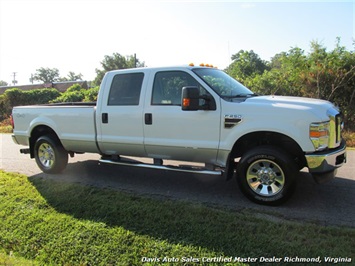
231	120
20	115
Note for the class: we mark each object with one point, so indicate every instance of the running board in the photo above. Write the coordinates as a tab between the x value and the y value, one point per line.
188	169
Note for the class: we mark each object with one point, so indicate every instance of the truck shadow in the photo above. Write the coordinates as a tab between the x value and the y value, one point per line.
118	197
94	200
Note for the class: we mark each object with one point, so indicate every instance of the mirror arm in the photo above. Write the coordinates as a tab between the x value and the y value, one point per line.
209	102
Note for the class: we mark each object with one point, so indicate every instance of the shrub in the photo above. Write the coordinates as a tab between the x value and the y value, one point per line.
91	94
14	97
17	97
41	96
76	94
5	125
71	96
75	87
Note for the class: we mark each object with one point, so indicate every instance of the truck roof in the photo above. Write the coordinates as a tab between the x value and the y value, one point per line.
164	68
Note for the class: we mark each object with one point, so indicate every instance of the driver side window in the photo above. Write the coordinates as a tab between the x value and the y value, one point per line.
168	86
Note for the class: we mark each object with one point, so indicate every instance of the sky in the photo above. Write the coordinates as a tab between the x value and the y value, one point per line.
75	35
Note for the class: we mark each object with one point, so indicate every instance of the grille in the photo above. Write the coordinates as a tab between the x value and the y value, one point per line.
335	125
338	125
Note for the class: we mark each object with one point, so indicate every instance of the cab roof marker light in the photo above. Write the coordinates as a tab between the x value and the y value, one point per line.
203	65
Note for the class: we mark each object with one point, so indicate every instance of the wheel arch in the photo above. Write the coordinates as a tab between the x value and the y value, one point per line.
37	132
261	138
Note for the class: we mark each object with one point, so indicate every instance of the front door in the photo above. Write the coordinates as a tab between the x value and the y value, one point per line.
169	132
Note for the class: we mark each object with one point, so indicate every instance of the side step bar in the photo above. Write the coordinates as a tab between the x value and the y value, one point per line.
188	169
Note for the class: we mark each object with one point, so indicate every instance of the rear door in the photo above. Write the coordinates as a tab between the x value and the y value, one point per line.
171	133
120	124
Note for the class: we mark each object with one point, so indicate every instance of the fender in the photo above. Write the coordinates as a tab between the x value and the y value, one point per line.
42	121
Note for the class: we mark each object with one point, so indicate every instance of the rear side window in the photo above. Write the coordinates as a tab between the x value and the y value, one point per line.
126	89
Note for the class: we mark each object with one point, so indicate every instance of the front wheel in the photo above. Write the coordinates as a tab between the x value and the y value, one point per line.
266	175
50	155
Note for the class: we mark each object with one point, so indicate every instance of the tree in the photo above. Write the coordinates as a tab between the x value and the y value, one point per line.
46	75
331	76
330	71
3	83
72	77
116	61
246	64
328	75
287	71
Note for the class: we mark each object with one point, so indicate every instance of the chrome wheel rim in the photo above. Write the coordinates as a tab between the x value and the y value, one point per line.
265	178
46	155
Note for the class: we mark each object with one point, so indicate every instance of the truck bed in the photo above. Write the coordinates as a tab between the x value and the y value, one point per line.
73	122
70	104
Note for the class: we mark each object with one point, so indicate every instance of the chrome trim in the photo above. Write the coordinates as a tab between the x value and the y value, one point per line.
265	178
326	161
14	139
231	120
335	125
320	143
20	139
165	167
46	155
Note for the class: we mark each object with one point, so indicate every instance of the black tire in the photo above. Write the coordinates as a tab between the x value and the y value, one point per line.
50	155
267	175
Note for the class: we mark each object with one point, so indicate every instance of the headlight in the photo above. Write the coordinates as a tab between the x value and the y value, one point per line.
319	135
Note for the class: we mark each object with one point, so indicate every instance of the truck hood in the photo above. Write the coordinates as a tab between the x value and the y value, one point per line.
316	106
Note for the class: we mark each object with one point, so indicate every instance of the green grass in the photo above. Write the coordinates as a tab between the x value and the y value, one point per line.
11	260
47	222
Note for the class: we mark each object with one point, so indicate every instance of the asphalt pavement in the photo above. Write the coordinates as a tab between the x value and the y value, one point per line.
331	203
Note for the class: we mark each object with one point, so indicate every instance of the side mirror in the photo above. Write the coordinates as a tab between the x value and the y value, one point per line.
190	98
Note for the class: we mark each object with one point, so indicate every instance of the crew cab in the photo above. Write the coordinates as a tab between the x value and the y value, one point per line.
195	114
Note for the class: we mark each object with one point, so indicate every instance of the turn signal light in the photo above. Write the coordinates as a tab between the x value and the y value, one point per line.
186	102
318	134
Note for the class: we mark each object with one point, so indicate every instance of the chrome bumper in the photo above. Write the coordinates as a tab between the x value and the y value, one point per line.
322	165
20	139
14	139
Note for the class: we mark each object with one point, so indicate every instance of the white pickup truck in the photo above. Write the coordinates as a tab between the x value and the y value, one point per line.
194	114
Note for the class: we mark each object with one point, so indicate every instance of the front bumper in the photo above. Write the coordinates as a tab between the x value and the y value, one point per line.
322	165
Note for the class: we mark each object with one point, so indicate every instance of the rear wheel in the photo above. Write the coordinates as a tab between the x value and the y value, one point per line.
50	155
266	175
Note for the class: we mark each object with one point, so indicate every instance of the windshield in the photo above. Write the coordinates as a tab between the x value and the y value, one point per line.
222	83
